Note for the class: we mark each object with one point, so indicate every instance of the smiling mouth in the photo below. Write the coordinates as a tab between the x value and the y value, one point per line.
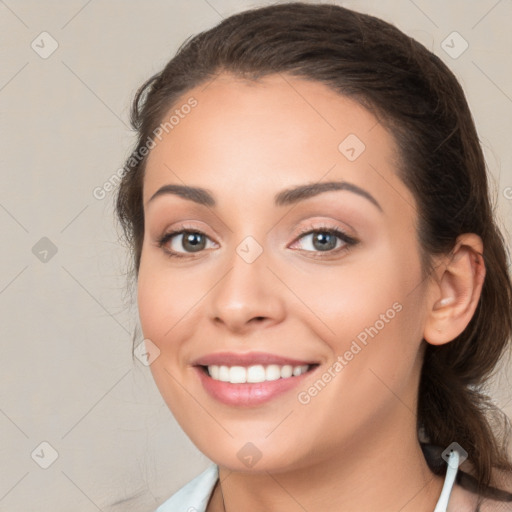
256	373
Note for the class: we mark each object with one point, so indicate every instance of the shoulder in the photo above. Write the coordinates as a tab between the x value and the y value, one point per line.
462	500
496	506
194	495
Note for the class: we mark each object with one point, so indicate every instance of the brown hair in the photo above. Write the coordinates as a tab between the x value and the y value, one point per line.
422	104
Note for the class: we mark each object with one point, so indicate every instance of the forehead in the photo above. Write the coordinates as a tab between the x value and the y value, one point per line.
266	135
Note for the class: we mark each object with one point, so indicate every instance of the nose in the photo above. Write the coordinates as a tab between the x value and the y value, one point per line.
247	296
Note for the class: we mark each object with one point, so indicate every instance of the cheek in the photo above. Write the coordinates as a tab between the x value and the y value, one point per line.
163	306
165	298
379	335
371	315
150	299
372	292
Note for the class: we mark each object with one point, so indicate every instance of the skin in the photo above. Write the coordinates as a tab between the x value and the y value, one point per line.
354	445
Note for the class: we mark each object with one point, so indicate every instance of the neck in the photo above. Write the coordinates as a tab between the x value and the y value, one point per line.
381	470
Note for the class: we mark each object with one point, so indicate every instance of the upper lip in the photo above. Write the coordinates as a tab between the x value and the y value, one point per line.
247	359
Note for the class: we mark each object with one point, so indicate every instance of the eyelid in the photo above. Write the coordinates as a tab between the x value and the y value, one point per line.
325	225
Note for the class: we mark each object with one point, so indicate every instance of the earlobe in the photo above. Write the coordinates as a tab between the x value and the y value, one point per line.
456	292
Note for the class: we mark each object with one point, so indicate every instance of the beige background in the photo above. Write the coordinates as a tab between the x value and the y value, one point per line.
67	376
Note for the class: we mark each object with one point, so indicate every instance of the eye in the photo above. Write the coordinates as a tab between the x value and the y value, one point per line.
321	239
325	239
191	240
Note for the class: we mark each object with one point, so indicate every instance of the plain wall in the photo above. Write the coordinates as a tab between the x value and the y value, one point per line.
67	376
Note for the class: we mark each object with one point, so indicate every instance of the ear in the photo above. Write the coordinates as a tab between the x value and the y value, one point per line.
456	289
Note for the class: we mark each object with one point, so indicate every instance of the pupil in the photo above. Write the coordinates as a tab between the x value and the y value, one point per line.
323	239
192	239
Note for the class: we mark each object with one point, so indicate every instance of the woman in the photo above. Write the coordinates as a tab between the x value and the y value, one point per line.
321	283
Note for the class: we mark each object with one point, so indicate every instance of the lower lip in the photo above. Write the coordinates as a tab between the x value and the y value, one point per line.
248	394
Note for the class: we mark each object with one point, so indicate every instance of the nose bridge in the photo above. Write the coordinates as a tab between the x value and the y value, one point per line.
245	292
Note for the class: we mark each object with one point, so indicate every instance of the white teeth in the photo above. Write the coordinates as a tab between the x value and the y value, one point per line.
287	371
297	370
237	375
256	373
214	372
273	372
224	374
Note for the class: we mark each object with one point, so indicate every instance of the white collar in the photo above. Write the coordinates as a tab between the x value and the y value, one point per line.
194	496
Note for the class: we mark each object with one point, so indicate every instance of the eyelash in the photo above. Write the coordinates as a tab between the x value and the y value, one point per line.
348	240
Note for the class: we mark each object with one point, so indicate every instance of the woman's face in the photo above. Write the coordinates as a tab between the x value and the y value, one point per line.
261	287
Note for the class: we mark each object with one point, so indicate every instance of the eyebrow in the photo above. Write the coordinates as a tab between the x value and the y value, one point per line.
285	197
